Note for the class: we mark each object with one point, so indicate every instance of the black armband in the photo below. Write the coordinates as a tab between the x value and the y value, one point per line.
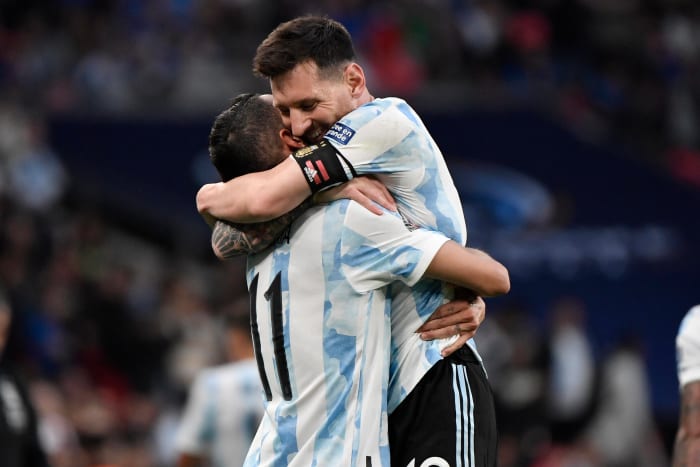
322	165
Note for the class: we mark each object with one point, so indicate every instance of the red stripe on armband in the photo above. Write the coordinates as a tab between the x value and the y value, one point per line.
322	169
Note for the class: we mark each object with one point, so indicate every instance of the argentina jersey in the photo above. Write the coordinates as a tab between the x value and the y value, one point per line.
321	330
386	138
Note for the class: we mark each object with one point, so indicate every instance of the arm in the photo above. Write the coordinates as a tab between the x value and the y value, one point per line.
469	268
229	239
480	274
257	196
686	451
262	196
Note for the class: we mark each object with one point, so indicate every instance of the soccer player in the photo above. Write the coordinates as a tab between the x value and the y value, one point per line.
686	451
322	332
223	409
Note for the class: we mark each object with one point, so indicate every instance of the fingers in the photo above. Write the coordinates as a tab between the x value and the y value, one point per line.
449	331
463	338
449	314
369	188
369	205
383	197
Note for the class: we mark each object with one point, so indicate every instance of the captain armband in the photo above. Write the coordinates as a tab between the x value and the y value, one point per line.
323	166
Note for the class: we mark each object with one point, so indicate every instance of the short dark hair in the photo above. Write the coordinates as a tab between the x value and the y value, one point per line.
307	38
245	137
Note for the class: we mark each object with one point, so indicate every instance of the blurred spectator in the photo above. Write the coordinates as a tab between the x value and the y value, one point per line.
56	430
30	172
188	323
517	367
572	393
623	433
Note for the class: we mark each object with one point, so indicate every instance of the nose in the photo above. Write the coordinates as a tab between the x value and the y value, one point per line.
299	122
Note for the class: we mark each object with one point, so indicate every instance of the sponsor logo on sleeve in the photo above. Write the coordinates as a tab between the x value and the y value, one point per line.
340	133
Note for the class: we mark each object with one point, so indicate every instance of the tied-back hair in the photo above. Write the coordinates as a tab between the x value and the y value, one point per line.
316	38
245	137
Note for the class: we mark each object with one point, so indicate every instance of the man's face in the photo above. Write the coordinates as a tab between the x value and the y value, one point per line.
310	105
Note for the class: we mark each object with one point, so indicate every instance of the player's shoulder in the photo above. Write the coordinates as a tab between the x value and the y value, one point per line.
690	324
382	106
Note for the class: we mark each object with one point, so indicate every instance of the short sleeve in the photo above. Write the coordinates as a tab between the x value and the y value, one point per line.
378	250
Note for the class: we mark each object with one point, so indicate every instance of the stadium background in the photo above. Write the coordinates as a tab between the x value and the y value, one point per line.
571	128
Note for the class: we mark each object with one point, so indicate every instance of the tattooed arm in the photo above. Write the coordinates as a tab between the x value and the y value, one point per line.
686	451
229	239
232	239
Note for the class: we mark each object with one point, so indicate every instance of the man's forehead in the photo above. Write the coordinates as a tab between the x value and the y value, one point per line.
299	84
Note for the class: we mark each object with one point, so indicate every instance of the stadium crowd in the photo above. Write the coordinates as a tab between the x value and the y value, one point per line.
620	68
110	327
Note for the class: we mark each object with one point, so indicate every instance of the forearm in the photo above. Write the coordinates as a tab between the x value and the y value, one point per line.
469	268
229	240
686	451
255	197
236	201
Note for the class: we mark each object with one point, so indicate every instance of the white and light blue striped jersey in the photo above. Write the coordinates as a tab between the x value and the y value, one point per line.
222	414
322	334
688	347
386	138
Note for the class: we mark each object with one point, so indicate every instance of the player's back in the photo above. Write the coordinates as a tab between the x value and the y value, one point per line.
322	364
322	333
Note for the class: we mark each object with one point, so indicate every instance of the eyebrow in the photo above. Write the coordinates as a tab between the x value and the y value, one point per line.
298	103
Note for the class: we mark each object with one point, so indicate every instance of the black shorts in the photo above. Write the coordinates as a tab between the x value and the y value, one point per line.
448	419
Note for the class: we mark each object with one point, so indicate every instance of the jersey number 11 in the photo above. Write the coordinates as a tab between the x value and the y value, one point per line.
273	295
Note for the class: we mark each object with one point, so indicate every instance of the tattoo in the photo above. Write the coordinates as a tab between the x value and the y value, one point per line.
231	239
227	241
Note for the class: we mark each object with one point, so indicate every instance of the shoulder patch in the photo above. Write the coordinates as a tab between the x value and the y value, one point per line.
340	133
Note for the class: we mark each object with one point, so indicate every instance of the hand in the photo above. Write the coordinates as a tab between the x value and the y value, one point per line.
458	317
363	190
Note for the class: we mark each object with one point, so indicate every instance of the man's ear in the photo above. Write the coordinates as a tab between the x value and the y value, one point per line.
292	142
355	78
